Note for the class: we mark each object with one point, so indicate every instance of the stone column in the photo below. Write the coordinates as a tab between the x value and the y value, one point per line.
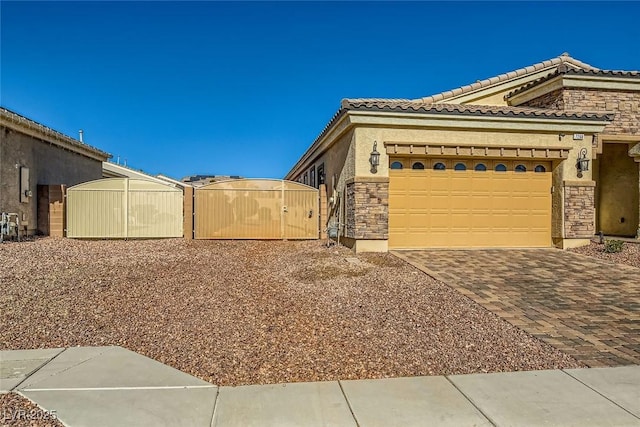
579	209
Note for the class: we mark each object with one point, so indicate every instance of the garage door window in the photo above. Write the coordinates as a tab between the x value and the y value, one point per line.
439	166
460	167
418	165
540	168
396	165
501	168
481	167
521	168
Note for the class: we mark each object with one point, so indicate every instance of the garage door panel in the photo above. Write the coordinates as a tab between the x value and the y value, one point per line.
469	209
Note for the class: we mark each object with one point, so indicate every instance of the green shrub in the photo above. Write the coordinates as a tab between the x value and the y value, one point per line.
613	246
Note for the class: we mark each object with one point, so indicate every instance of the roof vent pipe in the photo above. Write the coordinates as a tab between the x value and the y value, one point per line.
81	133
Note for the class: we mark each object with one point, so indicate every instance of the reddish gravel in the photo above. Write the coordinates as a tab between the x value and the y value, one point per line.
16	410
630	254
254	312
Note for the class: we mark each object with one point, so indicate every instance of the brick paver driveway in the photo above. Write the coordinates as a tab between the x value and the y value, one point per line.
583	306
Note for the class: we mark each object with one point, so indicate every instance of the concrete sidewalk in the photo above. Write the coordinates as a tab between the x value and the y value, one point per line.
111	386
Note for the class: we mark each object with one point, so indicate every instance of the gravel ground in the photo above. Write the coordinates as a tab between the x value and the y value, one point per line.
630	254
254	312
16	410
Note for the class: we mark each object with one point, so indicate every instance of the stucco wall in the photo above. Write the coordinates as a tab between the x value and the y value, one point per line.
48	165
617	204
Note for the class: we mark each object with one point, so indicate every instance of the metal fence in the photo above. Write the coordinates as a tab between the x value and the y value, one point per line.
124	208
256	209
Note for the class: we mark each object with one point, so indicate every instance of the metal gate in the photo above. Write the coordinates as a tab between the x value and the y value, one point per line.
256	209
124	208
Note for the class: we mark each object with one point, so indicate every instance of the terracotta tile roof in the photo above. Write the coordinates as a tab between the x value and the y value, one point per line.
407	106
575	72
481	84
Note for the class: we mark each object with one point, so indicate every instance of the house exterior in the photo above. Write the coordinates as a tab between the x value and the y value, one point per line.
547	155
36	164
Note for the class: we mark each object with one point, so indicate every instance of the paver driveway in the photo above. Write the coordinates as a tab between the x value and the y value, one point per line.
583	306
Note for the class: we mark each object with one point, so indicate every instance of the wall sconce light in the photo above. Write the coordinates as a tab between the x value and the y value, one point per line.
374	159
583	162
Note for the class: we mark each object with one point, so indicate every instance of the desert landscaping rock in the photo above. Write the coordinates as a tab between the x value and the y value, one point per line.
16	410
630	254
254	312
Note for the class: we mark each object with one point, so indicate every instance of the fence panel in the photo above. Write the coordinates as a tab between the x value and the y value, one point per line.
256	209
124	208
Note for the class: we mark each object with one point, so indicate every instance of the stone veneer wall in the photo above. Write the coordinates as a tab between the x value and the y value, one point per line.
624	105
367	213
579	211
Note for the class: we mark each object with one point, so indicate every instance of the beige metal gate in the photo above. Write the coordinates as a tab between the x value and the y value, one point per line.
256	209
124	208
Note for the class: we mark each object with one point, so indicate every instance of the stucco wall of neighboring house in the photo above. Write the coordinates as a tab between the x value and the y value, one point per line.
48	165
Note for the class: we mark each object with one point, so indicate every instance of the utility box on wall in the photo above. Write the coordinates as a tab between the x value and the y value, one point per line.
25	190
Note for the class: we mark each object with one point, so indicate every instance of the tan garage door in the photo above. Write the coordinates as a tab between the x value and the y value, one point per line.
467	208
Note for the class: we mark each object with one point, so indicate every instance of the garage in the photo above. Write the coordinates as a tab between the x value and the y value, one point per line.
467	203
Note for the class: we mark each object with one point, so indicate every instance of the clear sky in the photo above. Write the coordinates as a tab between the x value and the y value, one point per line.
182	88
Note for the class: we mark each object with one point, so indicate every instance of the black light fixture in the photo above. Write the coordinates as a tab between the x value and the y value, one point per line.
374	159
583	162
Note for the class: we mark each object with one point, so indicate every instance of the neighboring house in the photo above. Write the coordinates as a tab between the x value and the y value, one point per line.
114	170
544	155
201	180
36	163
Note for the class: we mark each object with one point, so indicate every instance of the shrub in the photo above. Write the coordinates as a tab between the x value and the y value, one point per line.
613	246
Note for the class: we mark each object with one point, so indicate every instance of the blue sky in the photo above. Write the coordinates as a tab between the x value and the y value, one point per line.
244	88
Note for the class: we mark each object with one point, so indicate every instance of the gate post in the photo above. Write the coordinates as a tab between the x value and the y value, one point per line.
187	212
324	211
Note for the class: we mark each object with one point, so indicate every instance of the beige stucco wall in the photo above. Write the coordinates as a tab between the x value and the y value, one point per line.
366	136
618	205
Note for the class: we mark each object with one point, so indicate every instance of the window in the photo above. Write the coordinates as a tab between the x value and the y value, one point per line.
312	176
501	168
396	165
320	174
418	165
480	167
439	167
540	168
305	180
521	168
460	167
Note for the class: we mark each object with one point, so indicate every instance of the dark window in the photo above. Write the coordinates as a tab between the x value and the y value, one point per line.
540	168
305	180
521	168
501	168
320	174
460	167
480	167
396	165
418	165
312	177
439	167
